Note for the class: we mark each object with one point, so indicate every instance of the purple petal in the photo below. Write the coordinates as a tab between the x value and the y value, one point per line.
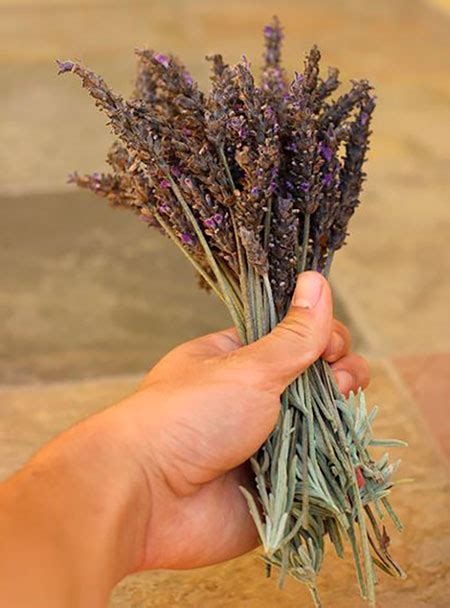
327	179
326	152
218	218
164	183
268	30
175	170
186	238
363	119
188	78
209	222
162	59
236	122
304	187
64	66
164	208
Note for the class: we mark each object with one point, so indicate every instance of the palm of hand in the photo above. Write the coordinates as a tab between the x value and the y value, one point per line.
201	516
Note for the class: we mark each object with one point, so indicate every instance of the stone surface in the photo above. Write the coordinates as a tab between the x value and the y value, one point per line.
86	291
428	379
31	416
391	273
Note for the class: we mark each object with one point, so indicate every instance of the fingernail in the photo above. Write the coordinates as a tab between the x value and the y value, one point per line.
344	380
308	290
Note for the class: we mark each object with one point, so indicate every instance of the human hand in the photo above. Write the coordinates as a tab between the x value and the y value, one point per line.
153	482
206	408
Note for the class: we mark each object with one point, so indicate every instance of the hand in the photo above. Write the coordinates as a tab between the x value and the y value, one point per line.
206	408
153	482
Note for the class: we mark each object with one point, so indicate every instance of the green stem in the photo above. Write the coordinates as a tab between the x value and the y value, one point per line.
326	270
170	233
240	251
210	257
272	311
252	303
305	243
226	167
258	306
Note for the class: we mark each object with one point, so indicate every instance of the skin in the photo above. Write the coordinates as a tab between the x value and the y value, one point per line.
153	481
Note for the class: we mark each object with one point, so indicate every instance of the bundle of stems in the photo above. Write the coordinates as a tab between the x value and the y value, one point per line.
255	183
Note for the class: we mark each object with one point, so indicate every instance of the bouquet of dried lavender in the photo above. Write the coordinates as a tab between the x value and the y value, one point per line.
255	183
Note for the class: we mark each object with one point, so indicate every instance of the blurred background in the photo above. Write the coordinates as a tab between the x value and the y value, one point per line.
89	298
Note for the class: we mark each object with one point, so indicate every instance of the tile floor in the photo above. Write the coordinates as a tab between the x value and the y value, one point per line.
88	299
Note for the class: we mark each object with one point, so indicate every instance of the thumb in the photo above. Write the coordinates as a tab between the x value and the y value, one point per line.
297	341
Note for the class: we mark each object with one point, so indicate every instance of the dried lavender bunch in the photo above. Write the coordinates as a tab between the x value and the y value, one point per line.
255	182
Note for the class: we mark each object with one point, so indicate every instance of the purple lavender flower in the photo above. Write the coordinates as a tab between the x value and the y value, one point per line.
327	179
64	66
363	118
236	122
162	59
209	222
186	238
305	186
269	113
164	184
164	208
218	218
326	152
188	78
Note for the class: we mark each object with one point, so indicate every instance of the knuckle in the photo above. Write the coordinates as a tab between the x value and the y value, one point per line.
298	332
362	370
365	372
343	331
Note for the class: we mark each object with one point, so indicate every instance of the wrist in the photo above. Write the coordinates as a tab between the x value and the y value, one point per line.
78	512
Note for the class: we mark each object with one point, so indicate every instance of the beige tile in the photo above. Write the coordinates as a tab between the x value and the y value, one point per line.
390	275
89	291
428	379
